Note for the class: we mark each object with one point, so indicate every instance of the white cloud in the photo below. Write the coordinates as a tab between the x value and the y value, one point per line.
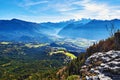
35	3
95	10
72	9
29	3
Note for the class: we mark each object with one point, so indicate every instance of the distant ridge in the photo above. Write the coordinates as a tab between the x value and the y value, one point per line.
84	28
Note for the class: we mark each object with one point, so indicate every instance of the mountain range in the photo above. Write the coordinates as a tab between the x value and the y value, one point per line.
19	30
95	29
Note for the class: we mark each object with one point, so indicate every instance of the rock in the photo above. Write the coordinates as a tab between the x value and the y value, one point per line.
87	78
95	78
97	71
103	77
92	70
104	66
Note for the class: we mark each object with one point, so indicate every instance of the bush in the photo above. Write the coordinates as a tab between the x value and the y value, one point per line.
73	77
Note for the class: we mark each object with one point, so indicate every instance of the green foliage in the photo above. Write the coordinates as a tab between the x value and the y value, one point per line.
102	46
75	65
18	62
68	54
73	77
105	45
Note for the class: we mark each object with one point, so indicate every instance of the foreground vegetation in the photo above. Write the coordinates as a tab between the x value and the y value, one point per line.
74	67
20	62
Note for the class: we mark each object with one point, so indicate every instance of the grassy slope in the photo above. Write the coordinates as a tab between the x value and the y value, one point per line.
72	56
35	45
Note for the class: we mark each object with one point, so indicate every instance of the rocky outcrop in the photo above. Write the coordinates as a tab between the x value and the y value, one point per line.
102	66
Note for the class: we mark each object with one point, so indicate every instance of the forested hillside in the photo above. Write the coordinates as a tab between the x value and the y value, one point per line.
73	70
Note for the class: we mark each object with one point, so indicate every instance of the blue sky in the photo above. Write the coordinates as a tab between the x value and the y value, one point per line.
59	10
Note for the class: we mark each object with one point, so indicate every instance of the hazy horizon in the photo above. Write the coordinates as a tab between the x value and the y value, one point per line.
61	20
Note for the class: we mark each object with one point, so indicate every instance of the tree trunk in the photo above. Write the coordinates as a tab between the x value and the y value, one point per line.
117	40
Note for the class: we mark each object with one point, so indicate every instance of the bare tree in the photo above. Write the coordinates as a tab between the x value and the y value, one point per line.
111	29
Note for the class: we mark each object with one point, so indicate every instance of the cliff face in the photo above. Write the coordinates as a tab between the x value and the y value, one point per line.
102	66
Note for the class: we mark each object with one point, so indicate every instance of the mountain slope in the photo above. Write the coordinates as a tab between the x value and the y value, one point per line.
46	32
18	30
95	29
